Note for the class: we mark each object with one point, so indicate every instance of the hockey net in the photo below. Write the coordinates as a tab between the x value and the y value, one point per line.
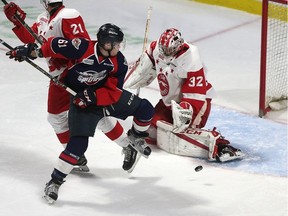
274	46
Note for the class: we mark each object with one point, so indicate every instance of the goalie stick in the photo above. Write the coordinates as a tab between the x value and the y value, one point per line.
54	79
145	37
138	89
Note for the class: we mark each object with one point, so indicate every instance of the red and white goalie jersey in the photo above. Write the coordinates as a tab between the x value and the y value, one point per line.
182	78
184	108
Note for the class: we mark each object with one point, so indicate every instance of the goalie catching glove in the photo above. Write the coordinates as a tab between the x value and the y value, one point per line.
85	98
182	116
19	53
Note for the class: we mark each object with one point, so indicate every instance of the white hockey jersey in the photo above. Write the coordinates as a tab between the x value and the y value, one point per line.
64	22
181	77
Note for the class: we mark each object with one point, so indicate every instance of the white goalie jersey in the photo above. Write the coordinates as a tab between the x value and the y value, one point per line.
171	73
184	90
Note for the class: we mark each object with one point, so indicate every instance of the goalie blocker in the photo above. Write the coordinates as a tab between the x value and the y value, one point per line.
140	74
198	143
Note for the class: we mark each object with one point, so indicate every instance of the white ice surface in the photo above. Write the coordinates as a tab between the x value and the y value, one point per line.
164	184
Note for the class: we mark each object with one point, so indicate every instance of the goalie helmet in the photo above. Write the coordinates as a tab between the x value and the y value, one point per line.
170	42
110	33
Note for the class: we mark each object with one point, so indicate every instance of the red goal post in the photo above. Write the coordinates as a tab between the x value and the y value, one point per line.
274	56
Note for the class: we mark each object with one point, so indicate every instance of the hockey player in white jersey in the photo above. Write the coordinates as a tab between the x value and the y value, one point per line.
59	21
183	110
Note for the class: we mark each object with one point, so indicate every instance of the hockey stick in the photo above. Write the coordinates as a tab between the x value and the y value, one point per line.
147	29
54	79
145	37
26	26
3	49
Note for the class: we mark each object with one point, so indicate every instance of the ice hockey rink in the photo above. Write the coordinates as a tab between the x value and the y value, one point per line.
164	184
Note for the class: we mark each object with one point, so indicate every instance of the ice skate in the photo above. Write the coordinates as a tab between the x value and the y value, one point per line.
81	166
138	142
51	191
137	147
131	158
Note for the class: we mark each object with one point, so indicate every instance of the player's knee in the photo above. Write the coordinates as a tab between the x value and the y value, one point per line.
145	111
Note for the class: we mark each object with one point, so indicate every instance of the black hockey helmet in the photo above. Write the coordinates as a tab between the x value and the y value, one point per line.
109	33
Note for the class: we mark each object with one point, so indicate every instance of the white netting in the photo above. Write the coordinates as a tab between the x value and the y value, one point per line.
277	54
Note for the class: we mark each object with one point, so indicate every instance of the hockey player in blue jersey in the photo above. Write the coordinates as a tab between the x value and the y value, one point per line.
96	72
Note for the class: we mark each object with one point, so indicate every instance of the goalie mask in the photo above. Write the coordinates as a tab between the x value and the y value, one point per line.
111	34
170	42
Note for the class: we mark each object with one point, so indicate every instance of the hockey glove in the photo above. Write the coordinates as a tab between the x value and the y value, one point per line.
182	116
10	10
140	74
19	53
85	98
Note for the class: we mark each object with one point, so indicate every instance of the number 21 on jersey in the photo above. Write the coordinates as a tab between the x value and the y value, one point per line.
76	28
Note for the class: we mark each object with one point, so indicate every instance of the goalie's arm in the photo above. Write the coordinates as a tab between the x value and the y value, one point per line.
141	74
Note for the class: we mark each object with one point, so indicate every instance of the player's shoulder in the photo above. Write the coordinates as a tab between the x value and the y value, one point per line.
69	13
192	47
190	58
188	50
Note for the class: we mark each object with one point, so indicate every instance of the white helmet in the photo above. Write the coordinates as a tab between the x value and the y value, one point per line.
45	3
170	42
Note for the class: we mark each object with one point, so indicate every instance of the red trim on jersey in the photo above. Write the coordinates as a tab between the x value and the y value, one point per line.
47	50
69	33
108	93
114	60
152	48
184	48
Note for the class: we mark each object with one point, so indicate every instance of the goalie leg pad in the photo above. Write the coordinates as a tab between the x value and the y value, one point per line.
198	143
183	144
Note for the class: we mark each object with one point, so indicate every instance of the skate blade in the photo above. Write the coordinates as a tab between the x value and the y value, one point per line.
143	155
80	169
48	199
135	163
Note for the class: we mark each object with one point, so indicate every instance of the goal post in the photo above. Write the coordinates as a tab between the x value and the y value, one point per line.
274	56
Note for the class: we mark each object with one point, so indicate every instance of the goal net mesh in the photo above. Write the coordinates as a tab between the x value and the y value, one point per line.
276	55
